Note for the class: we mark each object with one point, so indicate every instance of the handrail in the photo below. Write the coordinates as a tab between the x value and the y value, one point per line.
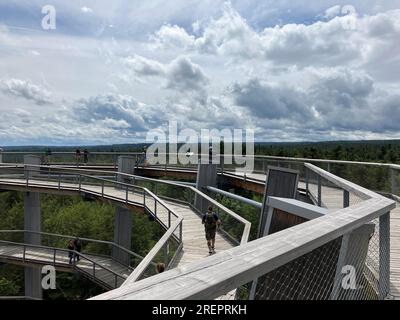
63	250
141	268
342	183
143	265
72	237
215	275
247	225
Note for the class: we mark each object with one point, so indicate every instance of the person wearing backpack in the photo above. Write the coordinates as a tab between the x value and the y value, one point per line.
211	222
78	248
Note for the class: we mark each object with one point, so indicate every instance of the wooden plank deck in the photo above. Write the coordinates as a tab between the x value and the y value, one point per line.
332	199
45	256
193	235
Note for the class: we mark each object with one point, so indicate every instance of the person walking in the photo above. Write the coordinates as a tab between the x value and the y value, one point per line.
47	156
78	248
211	223
78	157
71	249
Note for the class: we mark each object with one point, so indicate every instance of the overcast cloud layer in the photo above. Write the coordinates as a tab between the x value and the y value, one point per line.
109	73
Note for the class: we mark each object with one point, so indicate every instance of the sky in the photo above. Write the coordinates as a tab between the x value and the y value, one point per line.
112	71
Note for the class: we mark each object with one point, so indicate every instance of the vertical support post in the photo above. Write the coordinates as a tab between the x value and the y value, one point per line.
123	216
346	199
393	181
32	222
206	176
329	167
1	155
384	255
319	191
307	181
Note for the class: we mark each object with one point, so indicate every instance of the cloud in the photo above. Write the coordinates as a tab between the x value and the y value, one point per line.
269	102
142	66
112	110
86	10
25	89
332	12
180	74
347	39
172	36
183	74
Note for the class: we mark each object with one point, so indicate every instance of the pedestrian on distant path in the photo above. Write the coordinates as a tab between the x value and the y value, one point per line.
211	222
78	156
160	267
71	248
47	156
78	248
85	156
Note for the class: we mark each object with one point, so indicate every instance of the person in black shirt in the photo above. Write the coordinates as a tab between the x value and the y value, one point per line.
78	247
211	222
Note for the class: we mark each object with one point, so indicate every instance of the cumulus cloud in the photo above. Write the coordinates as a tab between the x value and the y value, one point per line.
345	39
180	74
25	89
269	102
113	110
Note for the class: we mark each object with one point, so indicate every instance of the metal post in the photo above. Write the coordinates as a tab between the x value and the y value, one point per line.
126	195
384	255
169	219
393	179
319	191
102	188
329	167
180	231
346	199
59	181
307	178
79	179
166	253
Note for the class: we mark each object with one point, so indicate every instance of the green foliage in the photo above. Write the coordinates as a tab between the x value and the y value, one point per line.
11	280
73	217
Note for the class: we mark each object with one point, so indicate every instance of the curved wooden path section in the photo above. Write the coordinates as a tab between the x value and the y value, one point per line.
193	236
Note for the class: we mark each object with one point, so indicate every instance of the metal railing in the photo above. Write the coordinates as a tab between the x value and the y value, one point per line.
90	246
123	193
87	265
302	262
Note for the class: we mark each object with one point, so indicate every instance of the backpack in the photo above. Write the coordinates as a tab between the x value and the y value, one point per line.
210	221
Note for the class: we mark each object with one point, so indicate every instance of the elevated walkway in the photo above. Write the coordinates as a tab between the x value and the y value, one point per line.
193	239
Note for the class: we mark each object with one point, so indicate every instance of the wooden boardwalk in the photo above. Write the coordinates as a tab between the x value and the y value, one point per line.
45	256
193	235
332	199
